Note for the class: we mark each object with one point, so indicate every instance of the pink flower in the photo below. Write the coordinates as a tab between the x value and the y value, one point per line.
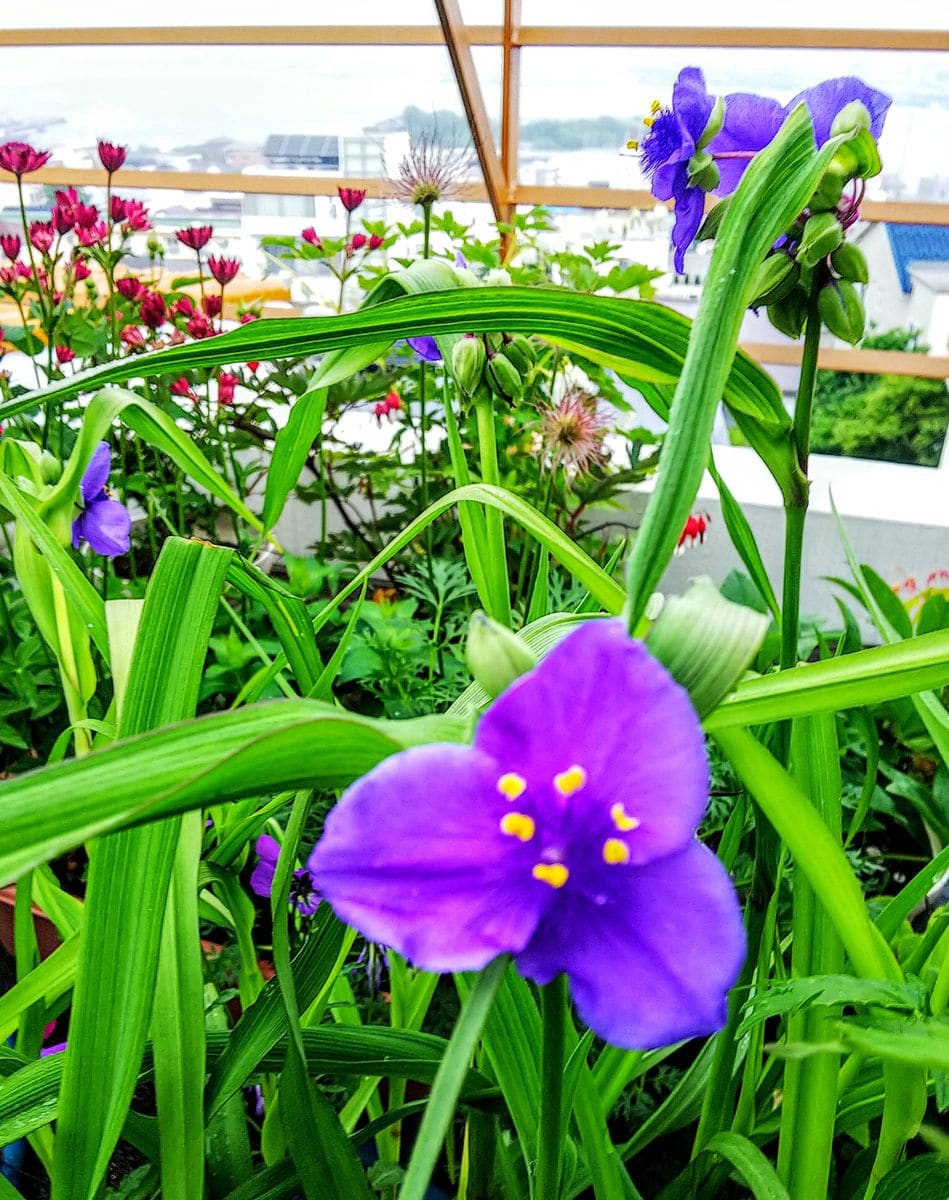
195	238
246	317
80	269
136	217
133	337
695	529
223	269
92	235
152	310
393	401
41	236
64	355
86	216
375	241
351	198
184	307
62	218
226	383
20	158
130	288
212	305
118	208
356	242
8	275
111	156
10	245
181	387
310	235
200	327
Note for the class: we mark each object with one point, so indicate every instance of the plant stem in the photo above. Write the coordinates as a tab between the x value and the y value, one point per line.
796	512
494	522
553	1002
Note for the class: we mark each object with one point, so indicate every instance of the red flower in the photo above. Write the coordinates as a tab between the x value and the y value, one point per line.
130	288
197	237
8	276
41	236
212	305
226	383
695	529
181	387
62	218
80	269
356	242
246	317
136	217
152	311
393	401
200	327
10	245
351	198
19	158
111	156
223	269
184	307
252	366
117	208
133	337
310	235
375	241
92	235
64	355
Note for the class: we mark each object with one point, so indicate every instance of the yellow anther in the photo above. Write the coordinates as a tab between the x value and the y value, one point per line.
648	122
555	874
512	785
570	781
615	852
655	107
518	825
622	820
632	145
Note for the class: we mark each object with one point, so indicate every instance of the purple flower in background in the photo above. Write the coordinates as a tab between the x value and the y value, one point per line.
303	896
565	836
832	96
104	523
426	348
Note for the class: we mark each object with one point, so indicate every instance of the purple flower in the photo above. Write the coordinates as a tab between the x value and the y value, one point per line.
103	522
832	96
565	836
303	895
425	348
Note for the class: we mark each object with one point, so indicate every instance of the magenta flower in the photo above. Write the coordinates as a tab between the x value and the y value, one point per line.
226	385
64	355
197	237
223	269
20	158
303	895
136	217
42	235
103	522
80	269
351	198
310	235
152	309
10	245
111	156
130	287
564	836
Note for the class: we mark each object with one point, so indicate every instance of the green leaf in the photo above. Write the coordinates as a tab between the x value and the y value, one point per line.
743	539
750	1164
795	995
290	449
924	1178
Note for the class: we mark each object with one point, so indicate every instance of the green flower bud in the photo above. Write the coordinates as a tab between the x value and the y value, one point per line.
851	118
830	190
495	655
849	262
788	315
704	172
860	157
714	125
774	279
50	467
467	363
841	310
503	378
822	234
519	350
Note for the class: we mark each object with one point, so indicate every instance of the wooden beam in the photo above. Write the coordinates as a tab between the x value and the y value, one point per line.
459	51
870	362
511	92
798	38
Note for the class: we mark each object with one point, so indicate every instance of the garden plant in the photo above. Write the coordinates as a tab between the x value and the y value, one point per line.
452	859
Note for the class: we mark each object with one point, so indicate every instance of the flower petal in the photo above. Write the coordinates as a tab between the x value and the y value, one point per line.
689	210
751	123
106	525
96	474
426	348
829	98
268	851
650	961
691	102
599	700
413	856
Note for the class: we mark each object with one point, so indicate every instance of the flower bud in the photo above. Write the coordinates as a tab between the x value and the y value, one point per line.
503	378
704	172
50	468
849	262
852	117
789	314
467	363
860	156
774	279
519	350
495	655
822	234
841	310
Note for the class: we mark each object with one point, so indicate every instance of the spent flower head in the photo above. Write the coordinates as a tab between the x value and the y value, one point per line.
431	171
572	432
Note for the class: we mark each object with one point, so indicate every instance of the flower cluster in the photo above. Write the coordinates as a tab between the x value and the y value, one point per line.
565	836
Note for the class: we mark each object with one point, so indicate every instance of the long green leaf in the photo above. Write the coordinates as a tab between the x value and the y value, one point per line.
750	1164
291	447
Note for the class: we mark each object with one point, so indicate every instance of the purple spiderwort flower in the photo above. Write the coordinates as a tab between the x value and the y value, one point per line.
565	836
303	896
104	523
425	347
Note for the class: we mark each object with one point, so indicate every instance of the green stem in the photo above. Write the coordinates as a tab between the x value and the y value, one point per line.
470	517
795	511
553	1002
494	521
450	1078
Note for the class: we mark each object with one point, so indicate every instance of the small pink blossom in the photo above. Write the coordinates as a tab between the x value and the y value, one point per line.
310	235
226	383
20	158
212	304
130	287
133	337
181	387
223	269
80	269
111	156
375	241
200	327
694	532
92	235
195	238
136	217
246	317
10	245
351	198
183	307
64	355
152	309
41	236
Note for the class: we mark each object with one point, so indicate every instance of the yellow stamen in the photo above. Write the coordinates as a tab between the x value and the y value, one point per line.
518	825
615	852
648	122
632	145
655	107
570	781
512	785
622	820
556	874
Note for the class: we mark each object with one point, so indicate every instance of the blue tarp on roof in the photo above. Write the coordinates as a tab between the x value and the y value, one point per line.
917	243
